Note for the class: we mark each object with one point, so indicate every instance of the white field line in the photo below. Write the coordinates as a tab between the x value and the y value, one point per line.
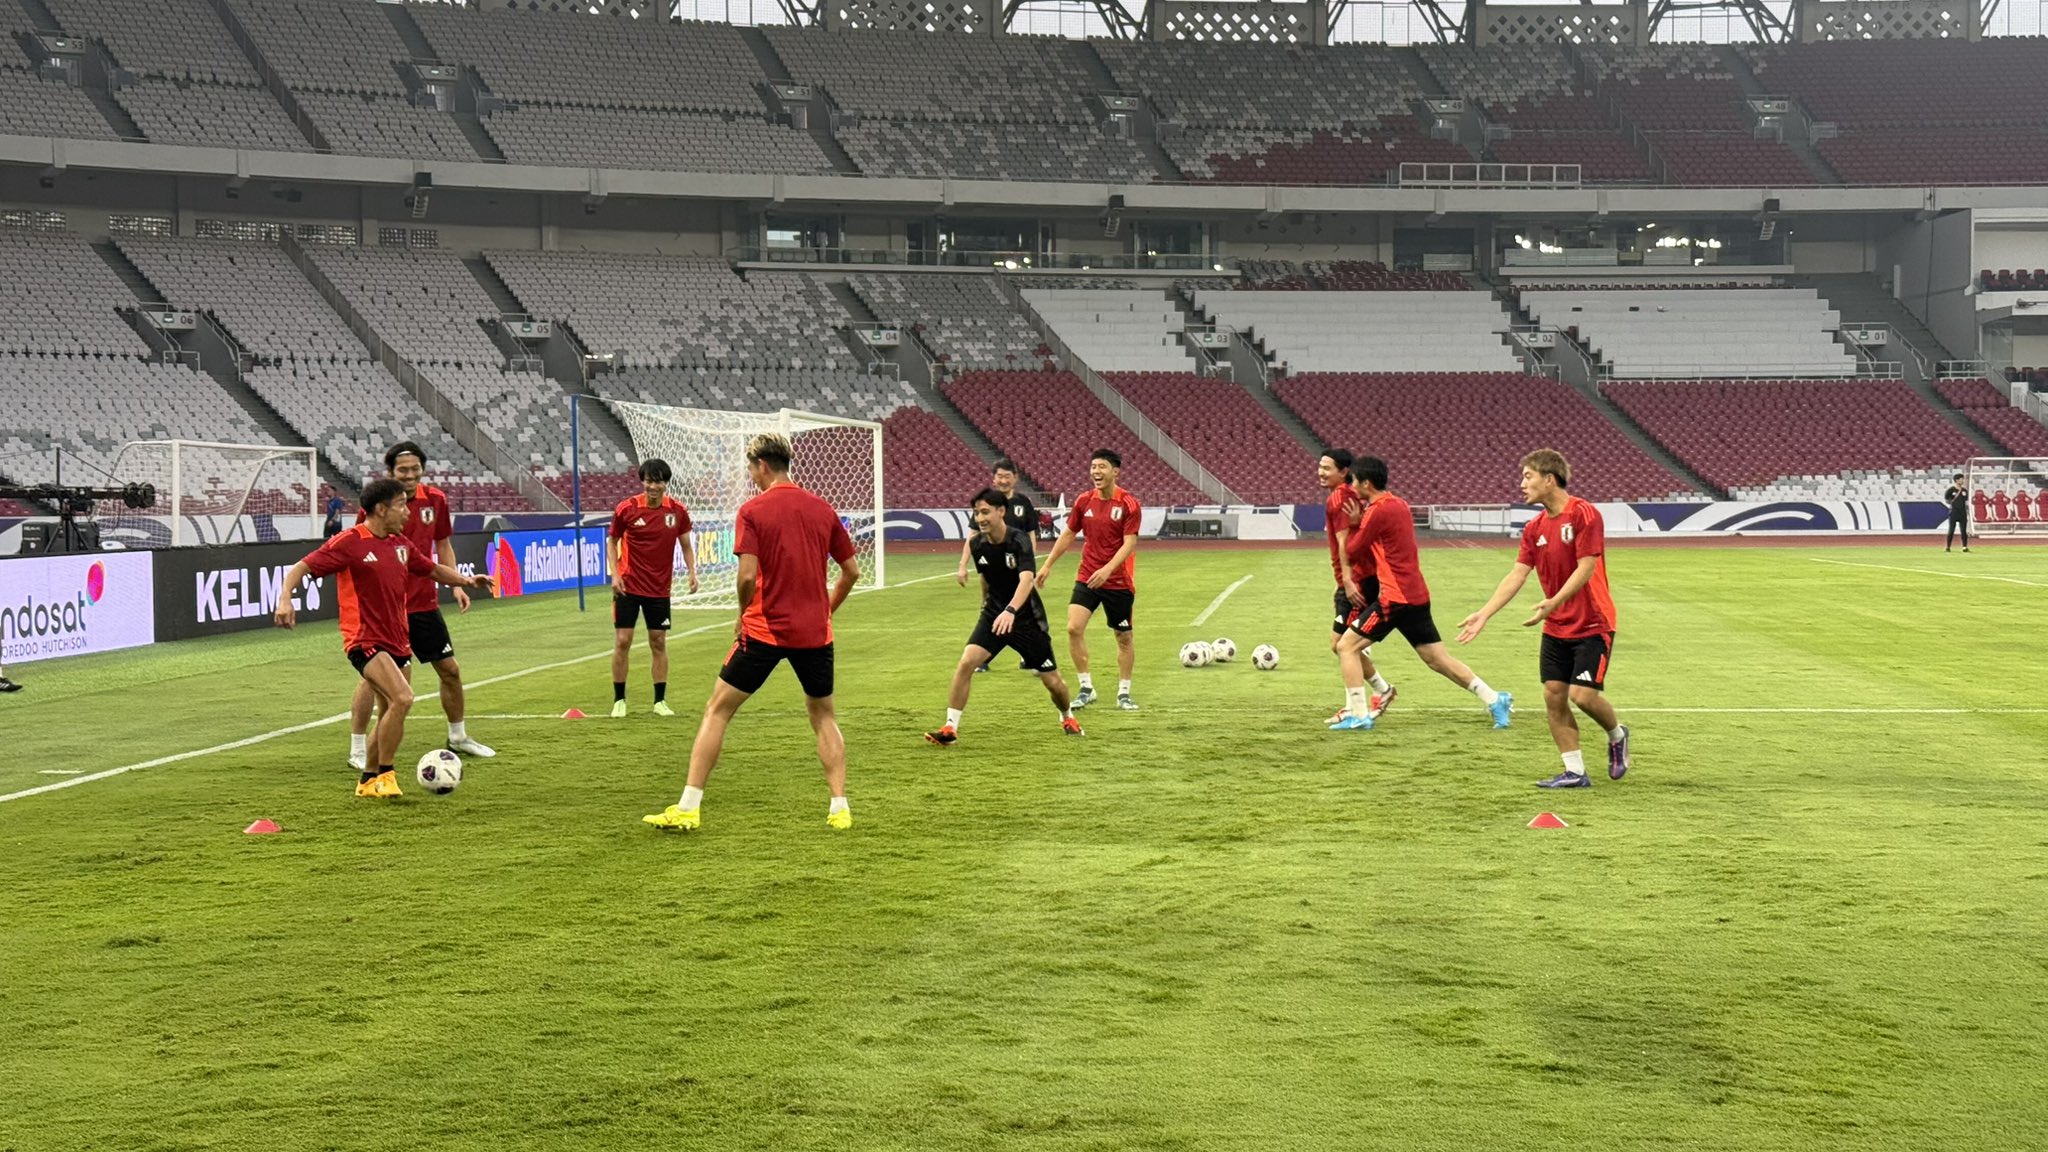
1217	603
1931	572
263	737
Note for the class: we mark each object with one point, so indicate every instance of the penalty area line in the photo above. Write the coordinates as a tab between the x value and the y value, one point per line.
294	729
1930	572
1218	603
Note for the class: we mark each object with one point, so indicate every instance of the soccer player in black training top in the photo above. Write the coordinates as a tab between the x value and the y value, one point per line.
1012	615
1018	512
1958	500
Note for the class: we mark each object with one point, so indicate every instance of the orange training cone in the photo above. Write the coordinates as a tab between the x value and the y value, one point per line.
262	828
574	714
1547	820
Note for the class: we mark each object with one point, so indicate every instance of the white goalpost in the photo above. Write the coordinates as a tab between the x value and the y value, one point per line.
2009	495
706	450
209	492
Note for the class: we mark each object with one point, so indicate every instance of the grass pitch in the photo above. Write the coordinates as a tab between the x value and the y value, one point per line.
1812	917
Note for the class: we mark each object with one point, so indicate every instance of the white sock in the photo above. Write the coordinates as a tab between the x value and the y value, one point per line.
1614	734
693	798
952	717
457	730
1123	687
1575	762
1379	684
1067	713
838	804
1486	695
1087	682
1355	702
359	744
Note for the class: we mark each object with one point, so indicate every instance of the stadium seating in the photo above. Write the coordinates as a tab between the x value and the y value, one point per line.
965	320
1035	151
1048	422
827	391
1220	425
1348	156
925	465
1750	433
567	59
1854	484
33	107
1991	410
682	311
1116	330
1384	331
1333	276
1455	437
1700	332
653	139
1685	99
1242	85
2013	280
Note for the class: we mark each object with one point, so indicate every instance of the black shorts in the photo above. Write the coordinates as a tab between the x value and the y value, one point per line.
1115	602
628	608
361	657
1580	662
1376	622
1342	609
1028	637
430	639
748	664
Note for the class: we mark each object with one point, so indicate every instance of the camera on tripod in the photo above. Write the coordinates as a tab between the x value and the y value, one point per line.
72	502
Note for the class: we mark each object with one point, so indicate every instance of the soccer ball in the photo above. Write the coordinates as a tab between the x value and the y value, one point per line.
440	771
1194	654
1265	657
1223	651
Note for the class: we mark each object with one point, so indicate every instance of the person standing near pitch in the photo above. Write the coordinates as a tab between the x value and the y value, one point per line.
1012	616
643	537
430	528
1566	545
1108	516
374	563
1386	534
782	538
1358	584
1019	513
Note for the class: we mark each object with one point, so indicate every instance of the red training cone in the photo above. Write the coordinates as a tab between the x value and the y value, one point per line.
574	714
261	828
1547	820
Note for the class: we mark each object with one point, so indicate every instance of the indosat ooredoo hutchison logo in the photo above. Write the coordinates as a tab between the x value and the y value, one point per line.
62	606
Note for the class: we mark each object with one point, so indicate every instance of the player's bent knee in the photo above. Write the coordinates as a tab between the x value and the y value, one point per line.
1585	697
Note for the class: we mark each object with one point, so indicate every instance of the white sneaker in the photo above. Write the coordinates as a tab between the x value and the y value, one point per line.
468	746
618	709
1126	704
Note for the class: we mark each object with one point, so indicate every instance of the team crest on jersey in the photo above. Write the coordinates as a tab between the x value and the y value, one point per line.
427	514
1010	558
669	520
402	553
1017	510
1116	512
1565	533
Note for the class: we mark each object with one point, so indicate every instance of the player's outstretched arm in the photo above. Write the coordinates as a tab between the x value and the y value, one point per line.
446	550
287	616
1549	604
1510	587
445	574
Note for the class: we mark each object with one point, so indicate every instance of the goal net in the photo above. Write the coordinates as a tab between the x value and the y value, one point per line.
211	493
2008	495
706	450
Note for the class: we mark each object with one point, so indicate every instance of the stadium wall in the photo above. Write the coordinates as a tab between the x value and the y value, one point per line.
1934	267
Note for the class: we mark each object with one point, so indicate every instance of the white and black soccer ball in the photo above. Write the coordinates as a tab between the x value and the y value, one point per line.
1194	654
1222	650
440	771
1265	657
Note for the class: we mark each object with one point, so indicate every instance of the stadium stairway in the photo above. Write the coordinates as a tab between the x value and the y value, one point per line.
561	356
819	127
1144	127
1859	296
273	82
1796	137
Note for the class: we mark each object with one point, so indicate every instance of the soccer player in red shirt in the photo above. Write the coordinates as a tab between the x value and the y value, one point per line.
1386	533
1108	516
1357	586
642	541
1566	545
783	536
430	527
374	564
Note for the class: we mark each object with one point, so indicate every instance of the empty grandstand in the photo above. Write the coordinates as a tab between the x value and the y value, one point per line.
1700	332
1369	331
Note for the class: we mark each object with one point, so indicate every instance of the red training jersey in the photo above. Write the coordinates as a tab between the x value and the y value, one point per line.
647	559
790	532
1340	512
1386	535
1104	524
1553	546
373	575
427	523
